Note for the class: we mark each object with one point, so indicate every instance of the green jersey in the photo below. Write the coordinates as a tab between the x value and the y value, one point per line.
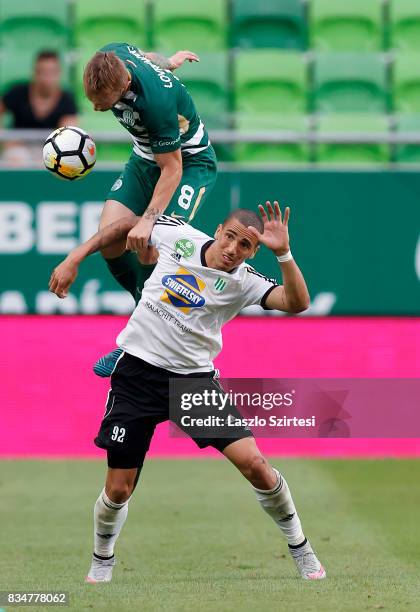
158	111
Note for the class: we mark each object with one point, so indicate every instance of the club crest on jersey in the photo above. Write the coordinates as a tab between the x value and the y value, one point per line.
185	247
220	284
183	290
128	117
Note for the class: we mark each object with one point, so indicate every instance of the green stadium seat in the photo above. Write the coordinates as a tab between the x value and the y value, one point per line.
84	103
270	82
405	24
407	83
346	26
342	153
208	84
408	153
350	82
96	122
190	24
33	25
293	153
17	68
98	23
268	24
113	151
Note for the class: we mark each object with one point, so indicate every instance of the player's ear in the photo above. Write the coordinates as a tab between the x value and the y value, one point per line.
218	231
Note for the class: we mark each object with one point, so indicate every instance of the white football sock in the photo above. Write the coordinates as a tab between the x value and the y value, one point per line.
108	519
278	503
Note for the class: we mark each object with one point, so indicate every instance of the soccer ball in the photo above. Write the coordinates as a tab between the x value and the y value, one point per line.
69	153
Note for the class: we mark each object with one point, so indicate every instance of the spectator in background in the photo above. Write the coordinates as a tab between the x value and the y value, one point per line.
39	104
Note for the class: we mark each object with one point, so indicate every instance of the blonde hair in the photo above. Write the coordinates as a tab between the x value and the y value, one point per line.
104	73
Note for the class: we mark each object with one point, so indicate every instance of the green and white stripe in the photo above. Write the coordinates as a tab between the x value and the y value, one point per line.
220	284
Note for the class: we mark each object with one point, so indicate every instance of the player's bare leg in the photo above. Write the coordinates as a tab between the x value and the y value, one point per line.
111	212
115	257
110	514
274	496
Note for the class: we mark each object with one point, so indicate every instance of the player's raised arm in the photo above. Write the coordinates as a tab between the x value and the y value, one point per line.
175	61
170	174
293	295
64	275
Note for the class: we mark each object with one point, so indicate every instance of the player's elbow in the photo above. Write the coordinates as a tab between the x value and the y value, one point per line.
300	306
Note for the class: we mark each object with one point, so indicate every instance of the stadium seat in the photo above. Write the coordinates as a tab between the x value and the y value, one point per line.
188	24
17	68
208	84
346	26
293	153
268	24
96	122
83	102
114	151
407	83
352	153
270	82
408	153
405	24
98	23
33	26
350	82
14	68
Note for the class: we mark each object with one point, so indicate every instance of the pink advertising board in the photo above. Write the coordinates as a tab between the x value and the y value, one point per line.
52	404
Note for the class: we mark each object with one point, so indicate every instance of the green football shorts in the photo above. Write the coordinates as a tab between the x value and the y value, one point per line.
134	187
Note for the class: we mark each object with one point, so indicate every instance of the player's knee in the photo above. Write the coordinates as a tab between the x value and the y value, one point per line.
113	251
257	471
119	492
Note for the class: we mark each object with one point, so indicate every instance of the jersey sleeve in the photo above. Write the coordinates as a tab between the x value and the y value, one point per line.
161	121
164	231
257	288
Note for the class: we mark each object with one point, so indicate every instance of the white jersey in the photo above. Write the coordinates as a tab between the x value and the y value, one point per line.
184	304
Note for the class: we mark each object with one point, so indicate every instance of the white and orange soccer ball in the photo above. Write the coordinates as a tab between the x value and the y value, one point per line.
69	152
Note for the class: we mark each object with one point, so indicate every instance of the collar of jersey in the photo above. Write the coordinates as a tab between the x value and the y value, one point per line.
130	95
204	248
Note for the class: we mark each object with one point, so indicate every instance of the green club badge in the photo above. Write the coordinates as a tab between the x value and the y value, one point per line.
220	284
185	247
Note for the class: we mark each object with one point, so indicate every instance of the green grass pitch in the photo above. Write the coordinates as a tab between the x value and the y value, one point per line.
196	539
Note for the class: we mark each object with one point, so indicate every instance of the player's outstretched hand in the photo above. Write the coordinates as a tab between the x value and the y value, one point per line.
276	233
180	57
63	277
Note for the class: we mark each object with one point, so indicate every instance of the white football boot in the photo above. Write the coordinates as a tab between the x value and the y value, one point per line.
307	563
100	570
